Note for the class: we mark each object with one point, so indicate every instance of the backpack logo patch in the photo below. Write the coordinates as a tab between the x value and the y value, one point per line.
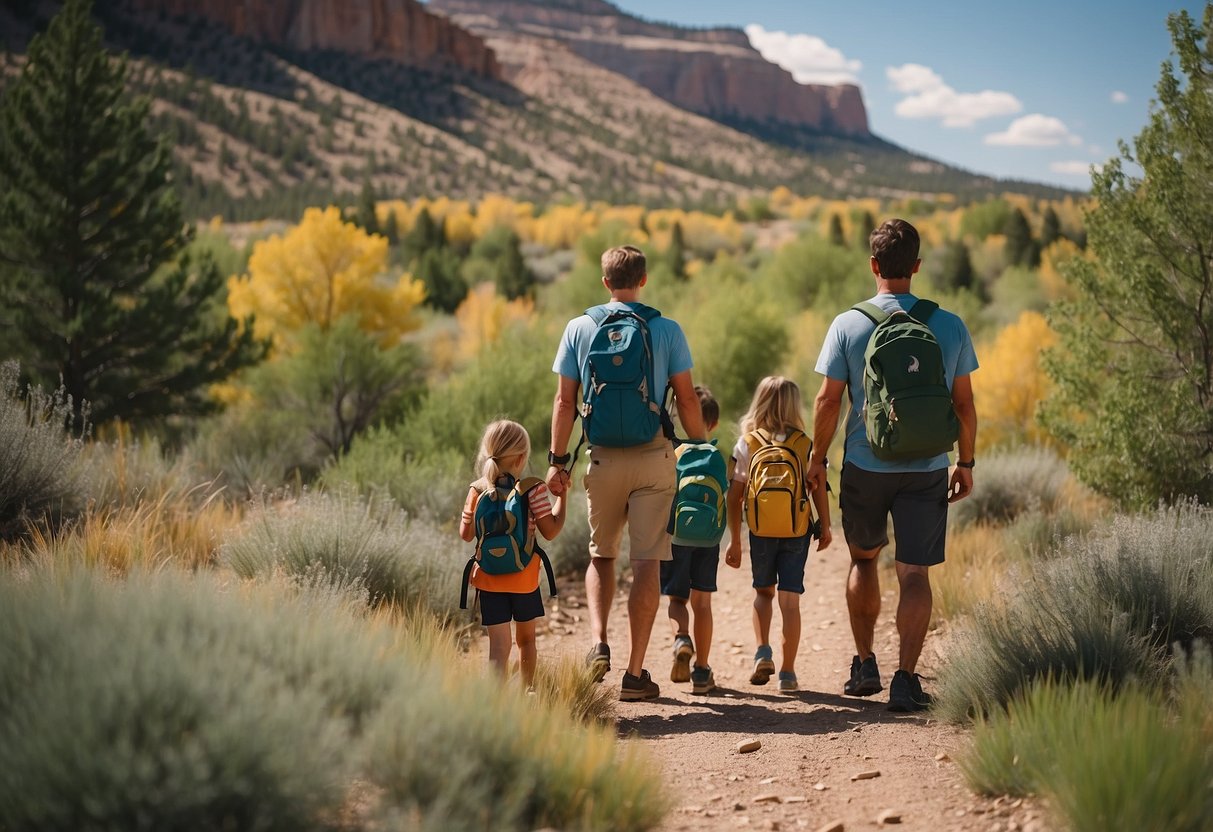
913	368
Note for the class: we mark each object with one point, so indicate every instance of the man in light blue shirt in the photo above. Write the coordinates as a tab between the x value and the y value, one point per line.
915	492
633	485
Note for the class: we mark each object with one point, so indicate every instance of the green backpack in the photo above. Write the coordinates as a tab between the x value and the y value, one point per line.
909	413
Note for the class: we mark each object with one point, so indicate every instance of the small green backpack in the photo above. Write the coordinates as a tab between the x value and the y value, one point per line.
908	414
698	515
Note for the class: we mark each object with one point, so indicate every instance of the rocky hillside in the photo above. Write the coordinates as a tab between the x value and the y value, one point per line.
713	72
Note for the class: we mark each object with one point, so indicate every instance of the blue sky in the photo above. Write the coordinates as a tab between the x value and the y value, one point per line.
1032	89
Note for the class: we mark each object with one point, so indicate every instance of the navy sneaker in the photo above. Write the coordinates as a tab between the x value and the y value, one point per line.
702	680
865	677
906	694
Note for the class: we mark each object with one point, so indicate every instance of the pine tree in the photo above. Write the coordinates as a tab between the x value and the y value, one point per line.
956	267
836	236
513	278
391	228
93	277
675	255
863	231
365	216
424	236
1020	249
1050	228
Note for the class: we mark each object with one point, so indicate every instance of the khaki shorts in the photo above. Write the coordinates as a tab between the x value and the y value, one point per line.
633	486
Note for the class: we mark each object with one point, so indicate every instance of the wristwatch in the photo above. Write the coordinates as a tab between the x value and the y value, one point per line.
971	463
558	460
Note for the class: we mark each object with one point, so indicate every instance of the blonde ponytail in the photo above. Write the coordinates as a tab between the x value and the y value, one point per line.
776	407
503	440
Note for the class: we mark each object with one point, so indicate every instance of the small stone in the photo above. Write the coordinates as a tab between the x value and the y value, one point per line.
819	786
747	746
690	810
715	798
866	775
960	813
888	816
773	825
833	826
768	798
942	757
738	807
766	781
796	798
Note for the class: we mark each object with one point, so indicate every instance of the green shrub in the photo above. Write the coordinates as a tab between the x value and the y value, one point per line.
39	473
1108	607
249	449
351	542
1011	483
1102	760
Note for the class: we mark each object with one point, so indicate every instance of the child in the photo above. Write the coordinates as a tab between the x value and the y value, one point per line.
692	574
504	451
770	462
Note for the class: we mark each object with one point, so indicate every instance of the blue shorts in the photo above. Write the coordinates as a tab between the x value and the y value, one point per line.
693	567
503	607
779	561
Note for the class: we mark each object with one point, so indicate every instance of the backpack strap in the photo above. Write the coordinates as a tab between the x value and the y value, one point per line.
877	315
547	567
923	309
467	579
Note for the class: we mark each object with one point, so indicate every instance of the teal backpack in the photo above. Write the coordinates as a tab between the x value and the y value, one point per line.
908	414
619	407
698	514
504	543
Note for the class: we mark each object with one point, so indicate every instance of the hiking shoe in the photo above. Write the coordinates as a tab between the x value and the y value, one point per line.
638	687
702	680
764	665
787	682
683	650
906	694
865	677
598	660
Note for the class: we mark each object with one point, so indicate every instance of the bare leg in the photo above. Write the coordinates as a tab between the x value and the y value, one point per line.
680	619
525	636
913	612
643	601
701	605
789	612
763	603
863	598
599	592
499	647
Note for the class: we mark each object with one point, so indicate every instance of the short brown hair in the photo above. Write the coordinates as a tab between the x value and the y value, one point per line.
895	246
709	405
624	267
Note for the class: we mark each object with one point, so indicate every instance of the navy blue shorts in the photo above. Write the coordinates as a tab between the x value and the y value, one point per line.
918	502
693	567
503	607
779	561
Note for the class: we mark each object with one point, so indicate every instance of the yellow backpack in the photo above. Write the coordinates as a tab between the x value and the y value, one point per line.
777	496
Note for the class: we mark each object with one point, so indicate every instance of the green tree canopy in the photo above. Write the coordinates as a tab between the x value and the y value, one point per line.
94	284
1134	365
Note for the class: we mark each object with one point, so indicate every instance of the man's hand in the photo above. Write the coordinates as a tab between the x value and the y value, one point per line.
558	480
826	537
732	555
961	485
816	475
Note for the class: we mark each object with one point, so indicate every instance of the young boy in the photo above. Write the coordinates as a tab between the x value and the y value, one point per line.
691	575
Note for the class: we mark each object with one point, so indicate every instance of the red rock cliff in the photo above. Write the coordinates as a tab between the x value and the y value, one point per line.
714	72
399	30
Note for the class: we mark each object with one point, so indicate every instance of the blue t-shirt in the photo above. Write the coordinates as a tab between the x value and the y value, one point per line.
671	355
842	360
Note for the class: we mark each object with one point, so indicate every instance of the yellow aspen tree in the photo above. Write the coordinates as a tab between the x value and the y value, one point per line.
1011	383
319	271
485	315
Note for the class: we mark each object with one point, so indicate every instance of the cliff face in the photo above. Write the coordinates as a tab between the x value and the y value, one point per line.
399	30
713	72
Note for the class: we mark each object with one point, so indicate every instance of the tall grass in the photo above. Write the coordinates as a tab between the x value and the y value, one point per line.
40	478
1108	607
169	702
1011	483
346	540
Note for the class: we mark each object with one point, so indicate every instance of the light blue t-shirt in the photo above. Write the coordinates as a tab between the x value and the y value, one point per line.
671	355
842	360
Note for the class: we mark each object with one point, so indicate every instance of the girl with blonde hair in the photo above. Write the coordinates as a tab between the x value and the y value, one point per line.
770	462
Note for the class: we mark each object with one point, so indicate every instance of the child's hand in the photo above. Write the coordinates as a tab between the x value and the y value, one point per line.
732	555
826	537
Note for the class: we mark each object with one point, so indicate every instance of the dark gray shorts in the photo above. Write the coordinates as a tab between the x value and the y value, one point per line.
918	502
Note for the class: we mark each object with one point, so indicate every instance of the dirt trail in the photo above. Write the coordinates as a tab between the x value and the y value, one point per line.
814	742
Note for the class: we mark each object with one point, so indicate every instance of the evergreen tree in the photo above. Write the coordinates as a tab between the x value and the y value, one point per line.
1020	248
438	269
391	228
513	278
863	231
1134	361
94	282
424	236
836	236
365	216
956	267
1050	228
675	255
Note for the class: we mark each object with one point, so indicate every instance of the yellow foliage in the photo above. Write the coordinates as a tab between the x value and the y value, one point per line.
495	210
700	232
1051	259
782	199
484	315
561	226
317	272
1011	382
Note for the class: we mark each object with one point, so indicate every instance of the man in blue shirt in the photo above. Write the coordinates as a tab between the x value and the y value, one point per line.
632	486
916	492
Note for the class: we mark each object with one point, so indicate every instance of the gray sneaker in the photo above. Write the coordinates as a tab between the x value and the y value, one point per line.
598	660
638	687
906	694
683	650
702	680
764	665
865	677
787	682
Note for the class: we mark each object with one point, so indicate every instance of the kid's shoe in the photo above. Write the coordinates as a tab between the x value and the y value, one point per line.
764	665
787	682
638	687
702	680
906	694
598	660
683	650
865	677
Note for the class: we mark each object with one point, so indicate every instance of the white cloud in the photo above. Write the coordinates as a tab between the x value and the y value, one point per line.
1035	130
1073	168
809	58
1119	97
927	96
